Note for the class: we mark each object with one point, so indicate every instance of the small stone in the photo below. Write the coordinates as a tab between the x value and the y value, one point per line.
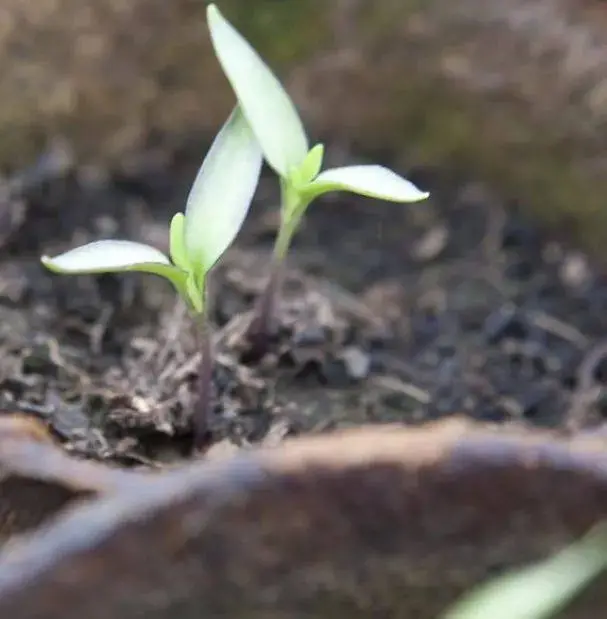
431	244
504	323
223	449
356	361
310	335
574	270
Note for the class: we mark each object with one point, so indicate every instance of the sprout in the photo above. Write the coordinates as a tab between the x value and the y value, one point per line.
215	210
278	128
538	591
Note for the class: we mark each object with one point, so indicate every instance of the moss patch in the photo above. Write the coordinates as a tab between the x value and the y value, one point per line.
521	161
284	32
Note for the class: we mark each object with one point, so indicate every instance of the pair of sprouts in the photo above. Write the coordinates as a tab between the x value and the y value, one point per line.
263	126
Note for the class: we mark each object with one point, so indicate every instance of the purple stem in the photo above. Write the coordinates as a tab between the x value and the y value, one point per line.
262	325
261	329
202	411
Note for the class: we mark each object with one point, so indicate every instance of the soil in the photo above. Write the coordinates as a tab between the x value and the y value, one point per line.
456	306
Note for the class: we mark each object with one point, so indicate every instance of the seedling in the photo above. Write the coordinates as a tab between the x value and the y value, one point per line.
278	128
215	211
541	590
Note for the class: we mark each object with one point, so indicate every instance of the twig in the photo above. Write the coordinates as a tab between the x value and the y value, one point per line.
587	390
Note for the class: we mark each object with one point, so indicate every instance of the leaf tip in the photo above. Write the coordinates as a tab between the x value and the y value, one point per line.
48	263
214	16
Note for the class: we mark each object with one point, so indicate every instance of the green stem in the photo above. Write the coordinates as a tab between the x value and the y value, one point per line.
288	226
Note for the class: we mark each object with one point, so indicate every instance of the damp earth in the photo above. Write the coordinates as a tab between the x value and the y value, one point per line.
458	306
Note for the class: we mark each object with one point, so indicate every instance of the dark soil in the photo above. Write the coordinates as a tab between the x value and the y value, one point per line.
389	314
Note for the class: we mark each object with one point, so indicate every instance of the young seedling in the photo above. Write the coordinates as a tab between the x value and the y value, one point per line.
541	590
215	210
277	126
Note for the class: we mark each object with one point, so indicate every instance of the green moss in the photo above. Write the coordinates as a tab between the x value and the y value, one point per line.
283	32
378	20
525	163
497	142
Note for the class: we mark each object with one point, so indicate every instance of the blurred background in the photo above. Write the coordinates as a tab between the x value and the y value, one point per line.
510	91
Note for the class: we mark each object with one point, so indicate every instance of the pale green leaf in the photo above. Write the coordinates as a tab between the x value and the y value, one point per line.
106	256
177	242
374	181
310	167
268	108
539	591
115	256
222	192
